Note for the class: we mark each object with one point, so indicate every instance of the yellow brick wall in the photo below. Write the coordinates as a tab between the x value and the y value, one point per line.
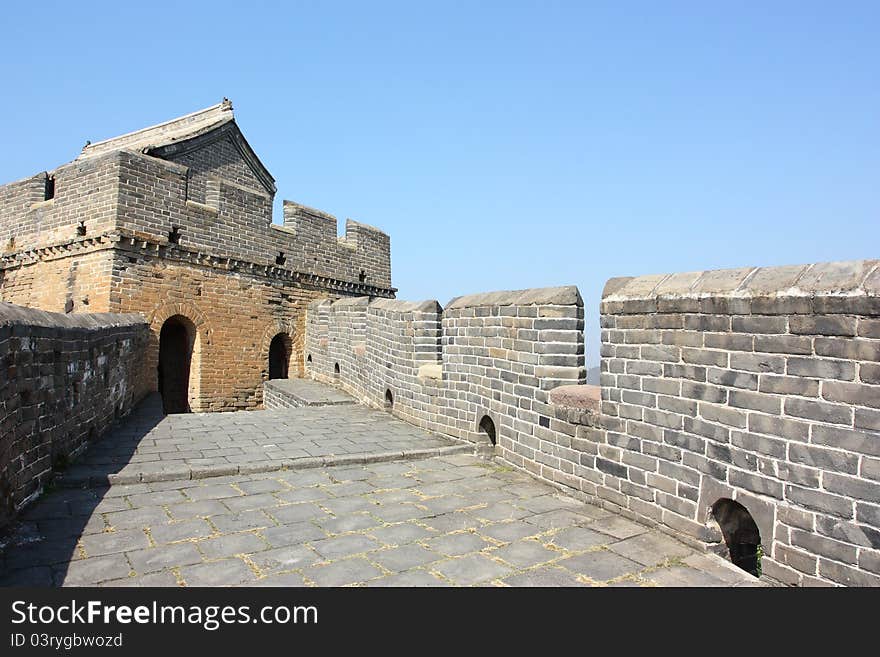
50	285
235	315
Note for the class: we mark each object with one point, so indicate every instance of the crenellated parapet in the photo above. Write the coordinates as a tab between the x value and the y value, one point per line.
738	409
192	182
494	355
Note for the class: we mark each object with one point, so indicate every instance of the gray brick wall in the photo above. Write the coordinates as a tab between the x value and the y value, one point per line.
496	354
754	385
66	379
217	205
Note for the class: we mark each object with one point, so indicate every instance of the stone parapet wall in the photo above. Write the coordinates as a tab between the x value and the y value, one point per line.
493	356
64	379
757	386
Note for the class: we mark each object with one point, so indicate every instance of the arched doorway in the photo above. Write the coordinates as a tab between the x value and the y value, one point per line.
176	340
279	356
487	428
740	533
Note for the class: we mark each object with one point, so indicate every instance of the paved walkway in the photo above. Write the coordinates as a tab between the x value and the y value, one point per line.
445	520
152	447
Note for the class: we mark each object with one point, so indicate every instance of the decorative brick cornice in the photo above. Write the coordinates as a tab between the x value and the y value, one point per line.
152	247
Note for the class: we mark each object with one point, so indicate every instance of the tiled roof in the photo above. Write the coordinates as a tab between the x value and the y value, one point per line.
163	134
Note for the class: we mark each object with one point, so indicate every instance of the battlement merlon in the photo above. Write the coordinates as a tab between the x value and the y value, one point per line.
302	219
366	248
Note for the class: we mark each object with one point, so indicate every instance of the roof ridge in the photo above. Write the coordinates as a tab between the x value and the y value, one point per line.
219	109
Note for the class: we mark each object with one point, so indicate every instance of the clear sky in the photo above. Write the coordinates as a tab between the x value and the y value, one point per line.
502	145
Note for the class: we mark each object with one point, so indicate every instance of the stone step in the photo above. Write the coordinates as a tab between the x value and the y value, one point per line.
81	476
296	393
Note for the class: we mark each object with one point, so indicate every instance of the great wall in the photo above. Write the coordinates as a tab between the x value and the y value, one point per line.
738	411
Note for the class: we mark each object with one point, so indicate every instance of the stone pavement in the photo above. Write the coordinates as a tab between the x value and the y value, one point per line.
151	447
441	521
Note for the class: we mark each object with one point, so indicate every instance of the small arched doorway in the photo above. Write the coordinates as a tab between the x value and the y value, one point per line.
741	534
487	428
279	356
176	340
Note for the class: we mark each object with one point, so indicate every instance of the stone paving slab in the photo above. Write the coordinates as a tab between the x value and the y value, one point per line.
466	521
151	447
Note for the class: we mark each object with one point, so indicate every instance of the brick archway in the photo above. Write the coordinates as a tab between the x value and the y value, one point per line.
275	327
187	309
201	339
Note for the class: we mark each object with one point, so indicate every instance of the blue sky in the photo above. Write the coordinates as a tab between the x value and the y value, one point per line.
501	144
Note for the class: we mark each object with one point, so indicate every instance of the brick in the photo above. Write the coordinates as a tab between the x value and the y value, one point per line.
851	349
682	338
789	385
853	487
611	468
663	419
758	324
868	328
706	466
704	357
660	353
801	561
685	441
692	372
784	344
679	473
868	514
854	441
780	573
644	368
765	403
729	341
851	393
823	325
701	392
867	419
794	517
846	575
677	405
723	415
760	444
869	561
707	429
757	363
639	398
797	474
869	373
755	483
821	368
870	469
707	322
820	501
732	378
819	411
826	459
